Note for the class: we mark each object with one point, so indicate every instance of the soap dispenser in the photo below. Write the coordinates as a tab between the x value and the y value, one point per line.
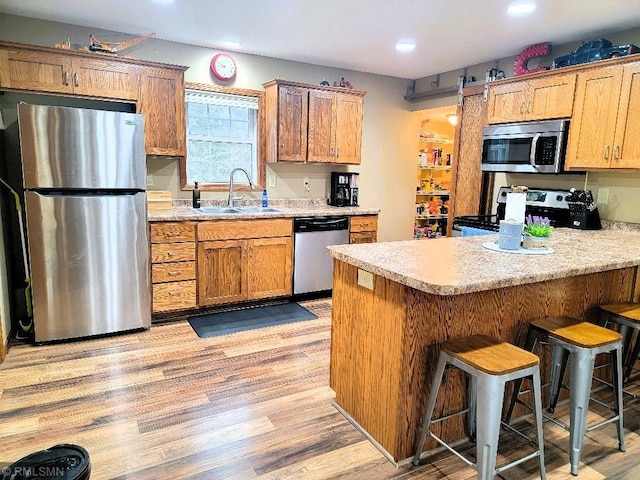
265	198
196	196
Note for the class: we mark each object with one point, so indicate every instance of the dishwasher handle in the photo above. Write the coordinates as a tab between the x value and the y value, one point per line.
319	224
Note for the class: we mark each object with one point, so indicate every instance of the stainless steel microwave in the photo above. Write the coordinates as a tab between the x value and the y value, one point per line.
529	147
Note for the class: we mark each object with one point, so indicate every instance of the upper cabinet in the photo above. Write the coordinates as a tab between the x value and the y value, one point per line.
310	123
540	98
156	89
161	101
60	73
605	129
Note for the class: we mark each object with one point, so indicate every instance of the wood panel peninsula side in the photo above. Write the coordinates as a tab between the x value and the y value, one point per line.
385	341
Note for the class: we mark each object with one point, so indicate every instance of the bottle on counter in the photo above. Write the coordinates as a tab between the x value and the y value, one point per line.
265	198
196	196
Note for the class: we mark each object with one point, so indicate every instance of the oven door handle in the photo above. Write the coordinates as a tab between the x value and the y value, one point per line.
534	148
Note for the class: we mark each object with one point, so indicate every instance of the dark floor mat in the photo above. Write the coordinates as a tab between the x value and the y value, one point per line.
249	318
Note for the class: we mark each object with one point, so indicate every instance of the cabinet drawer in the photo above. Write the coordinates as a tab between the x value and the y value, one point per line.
366	223
166	232
363	237
173	272
174	296
173	252
239	229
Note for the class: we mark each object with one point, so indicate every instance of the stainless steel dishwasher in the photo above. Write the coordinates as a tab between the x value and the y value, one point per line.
312	266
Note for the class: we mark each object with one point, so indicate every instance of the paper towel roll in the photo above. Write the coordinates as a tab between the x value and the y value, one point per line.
515	207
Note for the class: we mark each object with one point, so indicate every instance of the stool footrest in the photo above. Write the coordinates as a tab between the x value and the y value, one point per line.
457	454
446	417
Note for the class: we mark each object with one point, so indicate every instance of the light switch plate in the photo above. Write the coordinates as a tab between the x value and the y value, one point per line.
365	279
149	180
271	180
603	196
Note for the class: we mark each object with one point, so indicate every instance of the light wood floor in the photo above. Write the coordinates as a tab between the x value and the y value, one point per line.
165	404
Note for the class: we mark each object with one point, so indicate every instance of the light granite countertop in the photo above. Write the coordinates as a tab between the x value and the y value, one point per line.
182	211
457	265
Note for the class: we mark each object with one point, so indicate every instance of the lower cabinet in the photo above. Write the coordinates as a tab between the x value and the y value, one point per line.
363	229
173	265
235	266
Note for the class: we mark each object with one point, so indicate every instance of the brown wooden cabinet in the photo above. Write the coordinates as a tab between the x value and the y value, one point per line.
605	127
173	265
60	73
244	260
531	99
308	123
161	101
363	229
156	89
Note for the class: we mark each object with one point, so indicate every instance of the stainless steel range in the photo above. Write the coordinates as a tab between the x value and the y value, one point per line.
541	202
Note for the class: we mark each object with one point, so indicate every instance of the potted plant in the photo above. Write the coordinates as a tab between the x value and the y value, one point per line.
537	231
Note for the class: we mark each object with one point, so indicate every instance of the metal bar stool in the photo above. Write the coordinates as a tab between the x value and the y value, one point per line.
627	317
579	342
490	363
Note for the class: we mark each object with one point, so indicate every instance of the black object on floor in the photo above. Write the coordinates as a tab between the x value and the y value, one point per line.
60	462
248	319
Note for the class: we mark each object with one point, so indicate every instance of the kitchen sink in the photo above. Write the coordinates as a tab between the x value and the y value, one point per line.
253	209
235	210
216	210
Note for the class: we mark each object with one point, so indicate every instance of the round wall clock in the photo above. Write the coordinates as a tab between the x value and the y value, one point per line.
223	66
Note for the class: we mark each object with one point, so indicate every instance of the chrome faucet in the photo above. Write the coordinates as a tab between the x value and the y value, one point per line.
231	197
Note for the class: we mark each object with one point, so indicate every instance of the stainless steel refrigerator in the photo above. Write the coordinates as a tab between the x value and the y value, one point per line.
84	178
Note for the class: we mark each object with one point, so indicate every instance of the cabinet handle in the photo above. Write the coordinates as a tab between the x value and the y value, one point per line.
521	108
76	79
174	292
337	152
170	254
65	79
172	234
173	273
606	152
616	152
529	107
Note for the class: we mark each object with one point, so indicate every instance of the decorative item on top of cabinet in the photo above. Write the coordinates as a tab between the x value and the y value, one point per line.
433	187
545	97
240	260
173	265
313	123
363	229
605	126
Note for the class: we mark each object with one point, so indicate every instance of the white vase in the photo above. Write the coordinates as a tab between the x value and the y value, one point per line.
531	242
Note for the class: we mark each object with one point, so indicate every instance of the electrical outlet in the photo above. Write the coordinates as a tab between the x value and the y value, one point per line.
149	180
271	180
603	196
365	279
305	183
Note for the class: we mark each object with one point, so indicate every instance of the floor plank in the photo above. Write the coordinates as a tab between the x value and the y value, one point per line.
165	403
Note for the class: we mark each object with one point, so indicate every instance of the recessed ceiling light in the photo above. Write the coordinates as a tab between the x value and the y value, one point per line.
521	8
231	44
406	46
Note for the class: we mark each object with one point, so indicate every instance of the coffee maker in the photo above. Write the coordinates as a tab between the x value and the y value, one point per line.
344	189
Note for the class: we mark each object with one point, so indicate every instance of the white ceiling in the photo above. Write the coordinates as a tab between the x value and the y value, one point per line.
351	34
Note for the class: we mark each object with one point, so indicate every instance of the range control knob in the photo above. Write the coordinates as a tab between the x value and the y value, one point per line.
559	198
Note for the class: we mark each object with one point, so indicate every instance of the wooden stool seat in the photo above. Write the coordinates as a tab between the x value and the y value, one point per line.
490	355
628	310
577	332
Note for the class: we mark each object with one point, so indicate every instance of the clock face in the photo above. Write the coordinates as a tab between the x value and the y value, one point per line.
223	66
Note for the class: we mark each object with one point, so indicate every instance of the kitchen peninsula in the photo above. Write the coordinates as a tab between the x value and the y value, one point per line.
385	339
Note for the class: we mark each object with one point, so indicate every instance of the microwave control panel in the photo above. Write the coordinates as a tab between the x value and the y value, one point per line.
546	153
